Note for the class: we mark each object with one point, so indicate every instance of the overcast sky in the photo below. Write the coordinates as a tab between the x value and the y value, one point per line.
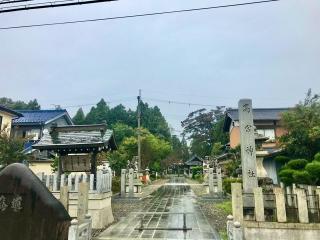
268	52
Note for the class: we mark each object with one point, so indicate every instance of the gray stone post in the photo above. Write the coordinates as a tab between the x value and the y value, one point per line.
248	149
131	192
310	190
123	183
219	180
64	196
55	182
237	201
302	205
280	204
237	231
82	201
289	195
211	190
318	194
99	183
258	204
73	233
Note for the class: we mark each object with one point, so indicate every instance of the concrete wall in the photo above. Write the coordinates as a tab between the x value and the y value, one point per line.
234	135
99	208
271	169
41	166
280	231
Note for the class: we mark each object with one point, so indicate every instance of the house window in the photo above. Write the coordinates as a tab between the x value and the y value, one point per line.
267	133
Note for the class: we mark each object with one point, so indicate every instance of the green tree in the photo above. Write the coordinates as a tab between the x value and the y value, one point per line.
98	114
122	131
153	120
19	105
204	128
11	149
302	124
153	151
79	118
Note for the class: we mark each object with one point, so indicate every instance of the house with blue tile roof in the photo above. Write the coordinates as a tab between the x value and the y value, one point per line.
32	125
34	122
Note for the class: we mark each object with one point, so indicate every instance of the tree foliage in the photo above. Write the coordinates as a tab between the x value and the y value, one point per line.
154	151
19	105
204	128
10	149
79	118
301	171
302	124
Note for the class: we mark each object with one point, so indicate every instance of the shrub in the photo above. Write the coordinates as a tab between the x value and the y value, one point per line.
297	164
199	178
116	185
313	169
302	177
226	183
196	170
317	157
282	159
286	176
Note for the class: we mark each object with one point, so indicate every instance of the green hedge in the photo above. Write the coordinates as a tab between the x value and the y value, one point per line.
226	183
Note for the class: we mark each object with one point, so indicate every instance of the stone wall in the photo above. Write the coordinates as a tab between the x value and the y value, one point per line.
280	231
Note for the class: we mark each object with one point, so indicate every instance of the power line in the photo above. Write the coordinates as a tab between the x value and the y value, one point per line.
54	4
12	1
137	15
181	103
93	104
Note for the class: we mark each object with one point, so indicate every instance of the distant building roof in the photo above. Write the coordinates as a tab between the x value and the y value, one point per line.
10	111
77	139
194	161
40	117
258	114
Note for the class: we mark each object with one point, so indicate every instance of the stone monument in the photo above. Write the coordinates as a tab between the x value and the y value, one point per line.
28	211
248	150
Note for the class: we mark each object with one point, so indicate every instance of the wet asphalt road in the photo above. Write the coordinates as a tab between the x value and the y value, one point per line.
163	212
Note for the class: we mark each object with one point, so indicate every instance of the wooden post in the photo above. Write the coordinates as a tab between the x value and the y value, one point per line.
94	166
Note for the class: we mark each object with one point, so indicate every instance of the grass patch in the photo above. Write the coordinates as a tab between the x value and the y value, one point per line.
223	235
225	206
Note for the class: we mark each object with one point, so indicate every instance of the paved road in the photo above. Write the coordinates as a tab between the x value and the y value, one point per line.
165	210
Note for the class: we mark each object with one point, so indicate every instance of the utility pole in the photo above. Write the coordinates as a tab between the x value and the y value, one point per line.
139	132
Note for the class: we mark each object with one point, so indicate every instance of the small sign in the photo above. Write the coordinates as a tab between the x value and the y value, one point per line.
76	163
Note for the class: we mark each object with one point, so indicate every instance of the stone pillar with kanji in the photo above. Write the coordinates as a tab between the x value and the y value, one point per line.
247	142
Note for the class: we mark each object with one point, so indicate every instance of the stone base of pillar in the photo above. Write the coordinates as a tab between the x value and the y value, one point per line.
99	207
